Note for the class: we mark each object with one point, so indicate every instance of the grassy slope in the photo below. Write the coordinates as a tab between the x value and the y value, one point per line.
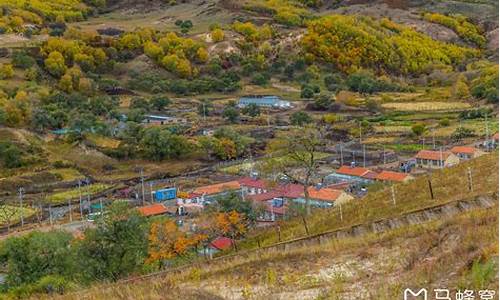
448	185
374	266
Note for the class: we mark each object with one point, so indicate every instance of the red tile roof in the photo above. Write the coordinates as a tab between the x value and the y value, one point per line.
297	191
324	194
392	176
433	155
222	243
463	149
153	210
217	188
356	171
290	190
265	196
251	182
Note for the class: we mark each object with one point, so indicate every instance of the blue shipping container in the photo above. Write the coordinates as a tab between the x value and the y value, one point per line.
166	194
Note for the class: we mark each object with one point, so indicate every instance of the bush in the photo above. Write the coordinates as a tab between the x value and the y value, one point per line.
300	118
22	60
461	133
418	129
444	122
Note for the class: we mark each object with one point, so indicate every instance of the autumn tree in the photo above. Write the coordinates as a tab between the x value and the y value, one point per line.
6	71
55	64
294	155
166	241
231	224
217	35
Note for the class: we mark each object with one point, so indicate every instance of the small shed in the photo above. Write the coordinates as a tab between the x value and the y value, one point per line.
466	152
436	159
165	194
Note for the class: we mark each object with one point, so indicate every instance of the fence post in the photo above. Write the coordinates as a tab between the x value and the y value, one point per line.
469	175
279	234
430	188
305	225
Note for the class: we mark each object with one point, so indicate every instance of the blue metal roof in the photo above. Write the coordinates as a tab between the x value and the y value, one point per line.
261	99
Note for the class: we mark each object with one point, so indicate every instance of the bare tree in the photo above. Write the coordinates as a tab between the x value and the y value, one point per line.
294	155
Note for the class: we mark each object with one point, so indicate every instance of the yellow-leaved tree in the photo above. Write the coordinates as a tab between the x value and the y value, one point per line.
166	241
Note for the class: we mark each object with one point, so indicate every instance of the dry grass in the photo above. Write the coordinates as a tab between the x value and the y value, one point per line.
426	106
392	129
102	141
372	266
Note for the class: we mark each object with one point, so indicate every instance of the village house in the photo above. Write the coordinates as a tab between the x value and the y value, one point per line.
466	152
157	209
391	176
211	192
264	101
219	244
352	174
276	201
252	186
436	159
324	197
163	120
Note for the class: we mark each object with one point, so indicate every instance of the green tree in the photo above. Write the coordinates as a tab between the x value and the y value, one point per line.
300	118
234	202
323	102
20	59
231	113
418	129
32	256
252	110
116	247
160	102
306	92
159	144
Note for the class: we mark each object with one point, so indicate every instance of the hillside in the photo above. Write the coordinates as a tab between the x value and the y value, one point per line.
358	137
457	252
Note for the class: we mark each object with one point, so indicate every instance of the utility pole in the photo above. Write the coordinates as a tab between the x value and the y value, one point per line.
100	204
441	157
423	143
70	211
383	150
360	136
50	214
364	156
487	131
433	140
142	185
21	190
151	192
80	194
204	112
341	156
